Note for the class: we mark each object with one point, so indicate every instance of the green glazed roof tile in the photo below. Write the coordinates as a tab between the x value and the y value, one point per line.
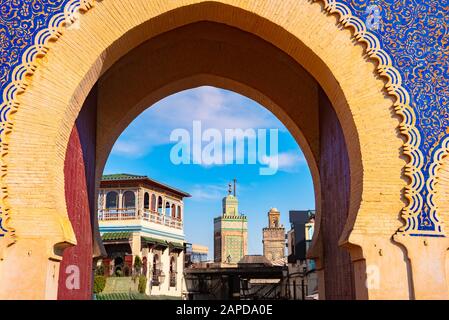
176	245
155	241
121	176
127	176
116	235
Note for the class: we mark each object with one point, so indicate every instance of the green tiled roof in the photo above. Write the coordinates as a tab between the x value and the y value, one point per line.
121	176
116	235
131	296
127	176
121	296
155	241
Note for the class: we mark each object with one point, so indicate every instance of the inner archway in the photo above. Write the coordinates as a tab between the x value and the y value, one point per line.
215	54
360	112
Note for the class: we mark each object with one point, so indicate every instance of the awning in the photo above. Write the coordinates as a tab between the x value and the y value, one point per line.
155	241
116	235
176	245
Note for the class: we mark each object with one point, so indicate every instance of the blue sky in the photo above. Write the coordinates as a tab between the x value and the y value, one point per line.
144	148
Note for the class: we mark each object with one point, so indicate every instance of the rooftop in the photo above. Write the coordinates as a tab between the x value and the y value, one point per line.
254	260
301	216
126	177
121	176
197	248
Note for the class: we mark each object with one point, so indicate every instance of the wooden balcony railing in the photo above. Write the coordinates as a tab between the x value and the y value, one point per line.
117	214
132	214
156	217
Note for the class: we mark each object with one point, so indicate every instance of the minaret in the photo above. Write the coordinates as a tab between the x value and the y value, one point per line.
230	203
274	237
230	230
273	218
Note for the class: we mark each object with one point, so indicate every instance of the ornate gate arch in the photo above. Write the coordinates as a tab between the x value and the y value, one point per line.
46	92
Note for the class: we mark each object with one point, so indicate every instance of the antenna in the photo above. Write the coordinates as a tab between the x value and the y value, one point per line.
235	181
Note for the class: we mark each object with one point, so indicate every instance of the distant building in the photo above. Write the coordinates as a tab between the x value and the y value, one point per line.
301	233
254	277
230	232
139	216
274	237
196	254
302	278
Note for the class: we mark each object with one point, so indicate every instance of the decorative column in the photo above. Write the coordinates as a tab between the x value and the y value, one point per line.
150	270
140	202
136	245
120	199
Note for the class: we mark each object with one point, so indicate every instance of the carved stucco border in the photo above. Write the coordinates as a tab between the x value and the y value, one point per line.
437	162
21	76
20	79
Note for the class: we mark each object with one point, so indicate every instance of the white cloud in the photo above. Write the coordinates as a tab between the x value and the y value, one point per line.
289	161
208	192
213	192
215	108
126	148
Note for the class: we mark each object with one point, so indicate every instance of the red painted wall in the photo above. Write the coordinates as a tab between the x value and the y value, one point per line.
335	183
79	174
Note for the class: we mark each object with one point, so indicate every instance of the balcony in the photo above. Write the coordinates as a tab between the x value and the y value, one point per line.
155	217
117	214
133	214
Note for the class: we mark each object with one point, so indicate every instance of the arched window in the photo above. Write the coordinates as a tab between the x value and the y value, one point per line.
153	202
159	205
146	201
118	266
156	271
167	208
173	271
173	211
179	213
129	200
144	266
112	200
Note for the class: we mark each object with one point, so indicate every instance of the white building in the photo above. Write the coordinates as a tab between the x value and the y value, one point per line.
139	216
